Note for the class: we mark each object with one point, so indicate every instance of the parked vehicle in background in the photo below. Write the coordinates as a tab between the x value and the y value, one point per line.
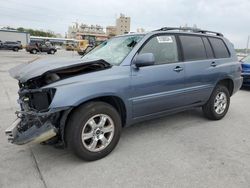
34	48
70	47
81	46
245	63
57	47
8	45
14	36
84	103
84	46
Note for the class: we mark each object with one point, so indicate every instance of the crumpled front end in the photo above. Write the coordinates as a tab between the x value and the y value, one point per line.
35	122
32	127
38	120
34	134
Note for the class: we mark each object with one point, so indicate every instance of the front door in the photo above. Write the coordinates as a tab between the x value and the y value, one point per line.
159	87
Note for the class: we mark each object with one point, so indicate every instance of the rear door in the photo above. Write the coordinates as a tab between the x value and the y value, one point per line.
44	48
158	88
6	46
201	65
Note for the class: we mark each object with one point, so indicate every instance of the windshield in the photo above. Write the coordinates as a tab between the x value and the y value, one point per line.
114	50
246	59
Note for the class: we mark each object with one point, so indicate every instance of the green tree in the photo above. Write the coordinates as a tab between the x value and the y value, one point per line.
39	33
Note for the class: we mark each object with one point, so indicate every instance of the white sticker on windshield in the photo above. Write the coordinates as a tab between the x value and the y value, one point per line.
164	39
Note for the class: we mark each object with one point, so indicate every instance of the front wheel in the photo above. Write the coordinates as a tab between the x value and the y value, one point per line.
218	103
93	130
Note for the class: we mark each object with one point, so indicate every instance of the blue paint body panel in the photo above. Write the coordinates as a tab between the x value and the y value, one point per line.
151	91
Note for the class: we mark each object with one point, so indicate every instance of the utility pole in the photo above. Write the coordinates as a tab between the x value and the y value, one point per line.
247	44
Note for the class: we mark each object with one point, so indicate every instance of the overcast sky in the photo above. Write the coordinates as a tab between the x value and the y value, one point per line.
231	17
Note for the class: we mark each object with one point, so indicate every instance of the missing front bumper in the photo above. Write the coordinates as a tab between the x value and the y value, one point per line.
34	134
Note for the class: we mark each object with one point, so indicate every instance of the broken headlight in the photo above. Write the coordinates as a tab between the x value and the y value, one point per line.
38	100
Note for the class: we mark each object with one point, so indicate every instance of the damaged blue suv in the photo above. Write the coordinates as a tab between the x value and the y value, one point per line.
84	103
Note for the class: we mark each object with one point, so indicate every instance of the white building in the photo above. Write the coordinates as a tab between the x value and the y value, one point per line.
84	29
122	25
14	36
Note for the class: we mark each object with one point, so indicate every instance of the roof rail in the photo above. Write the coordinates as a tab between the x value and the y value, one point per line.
190	29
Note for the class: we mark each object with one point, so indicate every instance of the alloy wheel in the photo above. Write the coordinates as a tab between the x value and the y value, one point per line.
220	103
98	132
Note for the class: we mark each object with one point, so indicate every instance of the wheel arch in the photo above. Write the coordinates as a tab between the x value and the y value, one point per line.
227	82
113	100
116	102
31	50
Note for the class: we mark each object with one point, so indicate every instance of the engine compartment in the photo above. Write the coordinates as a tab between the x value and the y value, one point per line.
36	120
63	73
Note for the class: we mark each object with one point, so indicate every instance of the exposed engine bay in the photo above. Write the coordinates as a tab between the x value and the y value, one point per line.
35	121
54	75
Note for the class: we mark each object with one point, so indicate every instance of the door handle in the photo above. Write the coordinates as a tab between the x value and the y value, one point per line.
178	69
213	64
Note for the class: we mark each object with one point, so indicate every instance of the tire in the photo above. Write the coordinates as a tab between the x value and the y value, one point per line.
15	49
218	103
80	124
51	52
34	51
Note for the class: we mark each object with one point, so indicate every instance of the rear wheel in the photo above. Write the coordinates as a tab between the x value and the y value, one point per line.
51	52
93	130
218	104
15	49
34	51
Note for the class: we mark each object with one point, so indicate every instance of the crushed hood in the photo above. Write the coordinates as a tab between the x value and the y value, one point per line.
30	70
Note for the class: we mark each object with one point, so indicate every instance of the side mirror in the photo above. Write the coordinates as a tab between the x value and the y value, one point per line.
146	59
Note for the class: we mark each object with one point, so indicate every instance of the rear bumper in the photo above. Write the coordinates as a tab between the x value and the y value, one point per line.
237	84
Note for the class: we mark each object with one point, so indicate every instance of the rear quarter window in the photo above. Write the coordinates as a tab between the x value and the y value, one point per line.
208	48
193	48
219	47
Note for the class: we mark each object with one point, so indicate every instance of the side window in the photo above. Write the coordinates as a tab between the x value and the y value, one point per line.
220	49
208	48
163	47
193	48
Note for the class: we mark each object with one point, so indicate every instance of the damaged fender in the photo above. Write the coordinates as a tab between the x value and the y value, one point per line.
47	94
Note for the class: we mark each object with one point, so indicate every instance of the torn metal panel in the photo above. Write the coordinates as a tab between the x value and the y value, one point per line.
43	72
32	135
35	99
34	127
